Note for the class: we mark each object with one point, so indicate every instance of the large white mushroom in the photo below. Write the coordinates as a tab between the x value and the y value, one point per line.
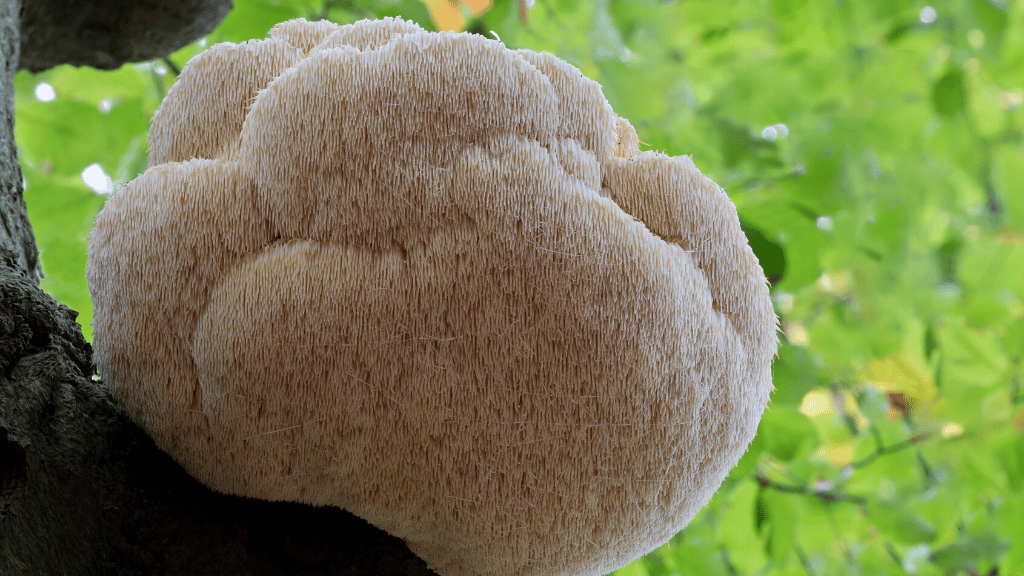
432	281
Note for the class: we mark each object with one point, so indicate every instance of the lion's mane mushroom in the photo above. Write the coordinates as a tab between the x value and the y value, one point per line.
432	281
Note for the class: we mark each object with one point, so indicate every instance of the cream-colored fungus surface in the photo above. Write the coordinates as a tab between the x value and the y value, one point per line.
432	281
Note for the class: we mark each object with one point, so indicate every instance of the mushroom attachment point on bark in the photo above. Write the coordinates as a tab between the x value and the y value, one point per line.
434	282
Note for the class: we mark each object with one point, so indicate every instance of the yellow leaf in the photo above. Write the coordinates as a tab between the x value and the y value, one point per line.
448	14
898	373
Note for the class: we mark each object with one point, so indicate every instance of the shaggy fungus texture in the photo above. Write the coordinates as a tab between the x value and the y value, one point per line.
432	281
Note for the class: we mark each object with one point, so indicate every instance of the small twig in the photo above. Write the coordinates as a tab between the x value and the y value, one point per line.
893	553
839	401
883	450
804	560
927	471
847	552
826	496
728	562
172	66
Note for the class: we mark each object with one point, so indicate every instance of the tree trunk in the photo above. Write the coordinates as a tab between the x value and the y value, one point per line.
83	491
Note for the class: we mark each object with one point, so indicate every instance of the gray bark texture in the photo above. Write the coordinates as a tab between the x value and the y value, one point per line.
15	232
83	491
105	34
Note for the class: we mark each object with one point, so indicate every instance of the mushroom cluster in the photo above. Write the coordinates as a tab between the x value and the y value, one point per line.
432	281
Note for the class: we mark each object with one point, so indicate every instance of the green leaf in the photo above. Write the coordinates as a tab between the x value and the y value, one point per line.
44	127
970	552
91	86
795	374
736	529
749	459
1011	455
949	94
781	516
991	18
1013	341
787	433
637	568
1008	515
770	255
694	551
254	19
971	357
794	229
991	267
1008	166
900	524
62	211
412	10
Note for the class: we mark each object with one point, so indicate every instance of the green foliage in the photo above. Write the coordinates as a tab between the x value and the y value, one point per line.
787	433
875	153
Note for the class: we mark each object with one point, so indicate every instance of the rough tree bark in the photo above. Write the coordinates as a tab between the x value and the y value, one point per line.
83	491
